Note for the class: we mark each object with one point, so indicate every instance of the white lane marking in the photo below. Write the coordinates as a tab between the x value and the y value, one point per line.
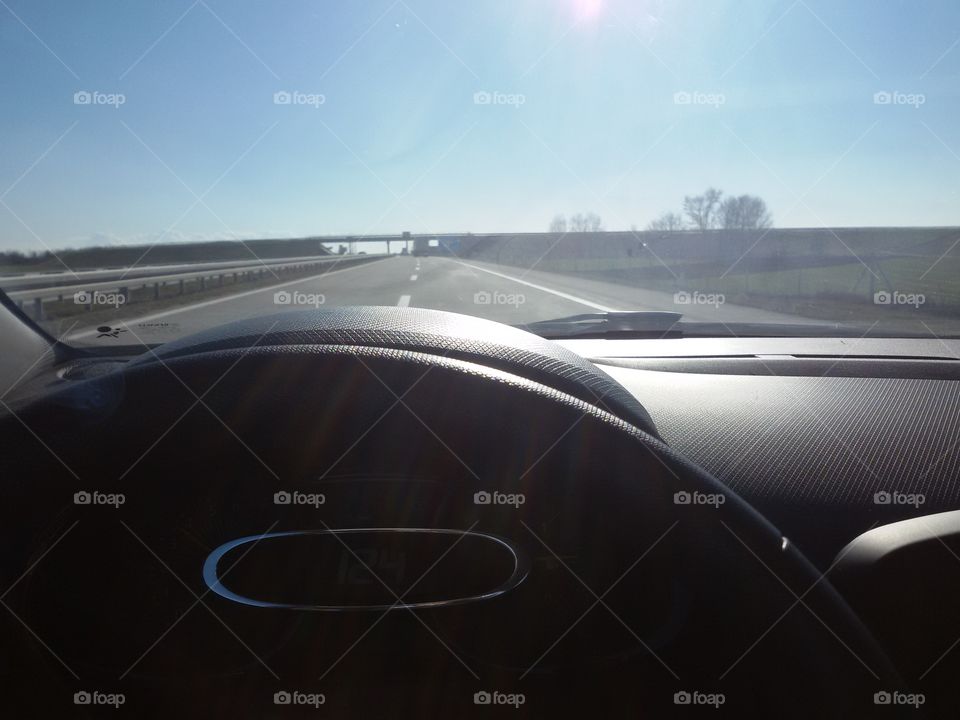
215	301
413	278
404	301
543	288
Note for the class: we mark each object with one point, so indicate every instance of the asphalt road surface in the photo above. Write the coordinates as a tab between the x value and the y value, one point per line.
502	293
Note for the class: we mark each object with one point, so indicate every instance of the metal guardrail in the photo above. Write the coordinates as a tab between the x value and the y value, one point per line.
12	283
120	292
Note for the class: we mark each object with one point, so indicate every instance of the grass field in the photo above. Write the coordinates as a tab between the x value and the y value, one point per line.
825	274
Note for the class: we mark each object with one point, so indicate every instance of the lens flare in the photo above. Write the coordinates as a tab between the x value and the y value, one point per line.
588	9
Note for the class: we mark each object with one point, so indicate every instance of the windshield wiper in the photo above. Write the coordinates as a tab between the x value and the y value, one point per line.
646	323
656	324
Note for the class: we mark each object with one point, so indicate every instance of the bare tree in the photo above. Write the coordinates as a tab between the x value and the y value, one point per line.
702	210
668	222
746	212
757	215
589	222
731	213
558	224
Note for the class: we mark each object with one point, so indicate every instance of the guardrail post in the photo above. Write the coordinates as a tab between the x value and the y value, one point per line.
156	291
181	287
125	293
203	283
37	309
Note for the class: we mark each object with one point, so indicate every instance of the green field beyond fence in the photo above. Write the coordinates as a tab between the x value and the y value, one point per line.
783	269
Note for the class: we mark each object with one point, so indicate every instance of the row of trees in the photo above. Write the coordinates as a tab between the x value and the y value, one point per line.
708	211
712	211
581	222
16	257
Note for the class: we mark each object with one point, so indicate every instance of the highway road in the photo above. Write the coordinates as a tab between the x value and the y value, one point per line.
502	293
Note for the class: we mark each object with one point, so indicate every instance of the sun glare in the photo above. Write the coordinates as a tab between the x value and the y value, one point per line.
587	9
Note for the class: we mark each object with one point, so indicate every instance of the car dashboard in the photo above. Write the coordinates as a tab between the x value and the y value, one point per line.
314	502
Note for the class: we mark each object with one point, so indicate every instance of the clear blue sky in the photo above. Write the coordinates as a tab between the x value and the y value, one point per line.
599	128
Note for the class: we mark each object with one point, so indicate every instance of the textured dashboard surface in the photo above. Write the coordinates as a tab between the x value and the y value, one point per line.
813	453
451	335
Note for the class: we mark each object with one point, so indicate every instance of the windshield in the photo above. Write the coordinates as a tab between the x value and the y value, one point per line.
769	166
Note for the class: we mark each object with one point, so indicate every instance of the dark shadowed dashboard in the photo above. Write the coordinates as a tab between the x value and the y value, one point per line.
375	507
